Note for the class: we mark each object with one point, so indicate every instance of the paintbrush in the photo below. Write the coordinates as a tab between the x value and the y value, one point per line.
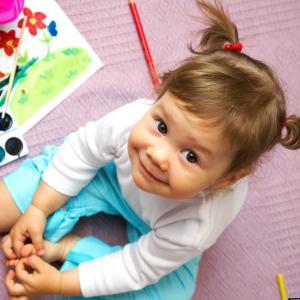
13	72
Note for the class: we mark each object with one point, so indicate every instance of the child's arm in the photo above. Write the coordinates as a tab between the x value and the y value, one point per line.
32	222
71	168
47	199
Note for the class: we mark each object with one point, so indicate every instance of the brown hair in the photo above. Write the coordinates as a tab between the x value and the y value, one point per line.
238	91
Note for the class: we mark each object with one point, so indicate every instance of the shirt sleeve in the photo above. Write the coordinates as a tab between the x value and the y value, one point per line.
225	206
172	242
135	266
91	147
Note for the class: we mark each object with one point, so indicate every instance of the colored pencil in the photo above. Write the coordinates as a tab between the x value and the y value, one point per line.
13	72
281	287
144	42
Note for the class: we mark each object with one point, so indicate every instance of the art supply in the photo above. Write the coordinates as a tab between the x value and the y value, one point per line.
5	122
12	143
144	42
55	60
10	10
13	72
12	147
281	287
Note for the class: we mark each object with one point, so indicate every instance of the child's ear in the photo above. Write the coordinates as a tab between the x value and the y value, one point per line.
231	179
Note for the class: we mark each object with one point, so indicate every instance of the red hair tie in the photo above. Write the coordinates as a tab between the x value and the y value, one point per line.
235	46
285	121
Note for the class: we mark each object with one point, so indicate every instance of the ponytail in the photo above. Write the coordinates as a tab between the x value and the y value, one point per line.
292	137
220	29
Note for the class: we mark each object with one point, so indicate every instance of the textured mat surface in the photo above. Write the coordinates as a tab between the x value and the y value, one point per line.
265	238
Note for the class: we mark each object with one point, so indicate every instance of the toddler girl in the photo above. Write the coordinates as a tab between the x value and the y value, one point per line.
175	168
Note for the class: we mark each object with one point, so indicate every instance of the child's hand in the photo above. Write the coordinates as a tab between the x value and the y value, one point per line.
11	257
25	251
30	225
9	281
14	288
42	279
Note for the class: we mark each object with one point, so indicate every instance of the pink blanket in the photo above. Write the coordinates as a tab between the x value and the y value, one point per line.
265	238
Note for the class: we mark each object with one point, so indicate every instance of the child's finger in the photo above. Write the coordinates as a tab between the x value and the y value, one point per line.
34	262
7	248
12	262
22	274
10	276
18	298
37	241
14	289
10	254
18	243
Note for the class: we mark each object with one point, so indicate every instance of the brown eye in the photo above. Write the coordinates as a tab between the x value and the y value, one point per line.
161	126
190	156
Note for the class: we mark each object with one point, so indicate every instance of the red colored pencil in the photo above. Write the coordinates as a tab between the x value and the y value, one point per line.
144	43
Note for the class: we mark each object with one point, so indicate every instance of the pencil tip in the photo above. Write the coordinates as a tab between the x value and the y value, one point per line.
131	1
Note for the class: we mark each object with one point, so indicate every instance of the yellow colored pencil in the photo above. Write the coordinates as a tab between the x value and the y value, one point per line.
281	287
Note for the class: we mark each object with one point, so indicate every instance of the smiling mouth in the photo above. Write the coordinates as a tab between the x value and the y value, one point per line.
148	175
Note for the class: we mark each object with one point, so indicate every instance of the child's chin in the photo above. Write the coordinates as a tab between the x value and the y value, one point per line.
142	184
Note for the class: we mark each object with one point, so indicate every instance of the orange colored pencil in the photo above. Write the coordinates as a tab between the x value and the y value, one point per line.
144	42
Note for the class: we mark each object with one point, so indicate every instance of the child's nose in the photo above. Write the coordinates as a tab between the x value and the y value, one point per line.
159	156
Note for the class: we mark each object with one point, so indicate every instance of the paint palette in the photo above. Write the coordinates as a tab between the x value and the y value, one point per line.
12	143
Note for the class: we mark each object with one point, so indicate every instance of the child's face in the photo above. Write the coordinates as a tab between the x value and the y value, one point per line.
174	153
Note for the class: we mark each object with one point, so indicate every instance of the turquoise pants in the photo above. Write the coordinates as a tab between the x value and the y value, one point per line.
102	194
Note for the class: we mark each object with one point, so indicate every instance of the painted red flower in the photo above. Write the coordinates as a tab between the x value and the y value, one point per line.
2	75
34	21
8	41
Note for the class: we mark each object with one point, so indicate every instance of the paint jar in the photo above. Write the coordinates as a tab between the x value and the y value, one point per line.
12	143
2	154
13	146
5	122
10	10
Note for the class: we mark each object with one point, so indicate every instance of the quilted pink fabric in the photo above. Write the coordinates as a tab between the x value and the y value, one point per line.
265	238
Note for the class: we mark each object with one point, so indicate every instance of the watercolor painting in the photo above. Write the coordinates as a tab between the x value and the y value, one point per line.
54	61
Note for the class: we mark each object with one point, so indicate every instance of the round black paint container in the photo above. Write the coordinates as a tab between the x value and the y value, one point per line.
6	122
13	146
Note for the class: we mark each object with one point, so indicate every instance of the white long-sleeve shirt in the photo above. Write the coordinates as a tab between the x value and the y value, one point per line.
183	229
